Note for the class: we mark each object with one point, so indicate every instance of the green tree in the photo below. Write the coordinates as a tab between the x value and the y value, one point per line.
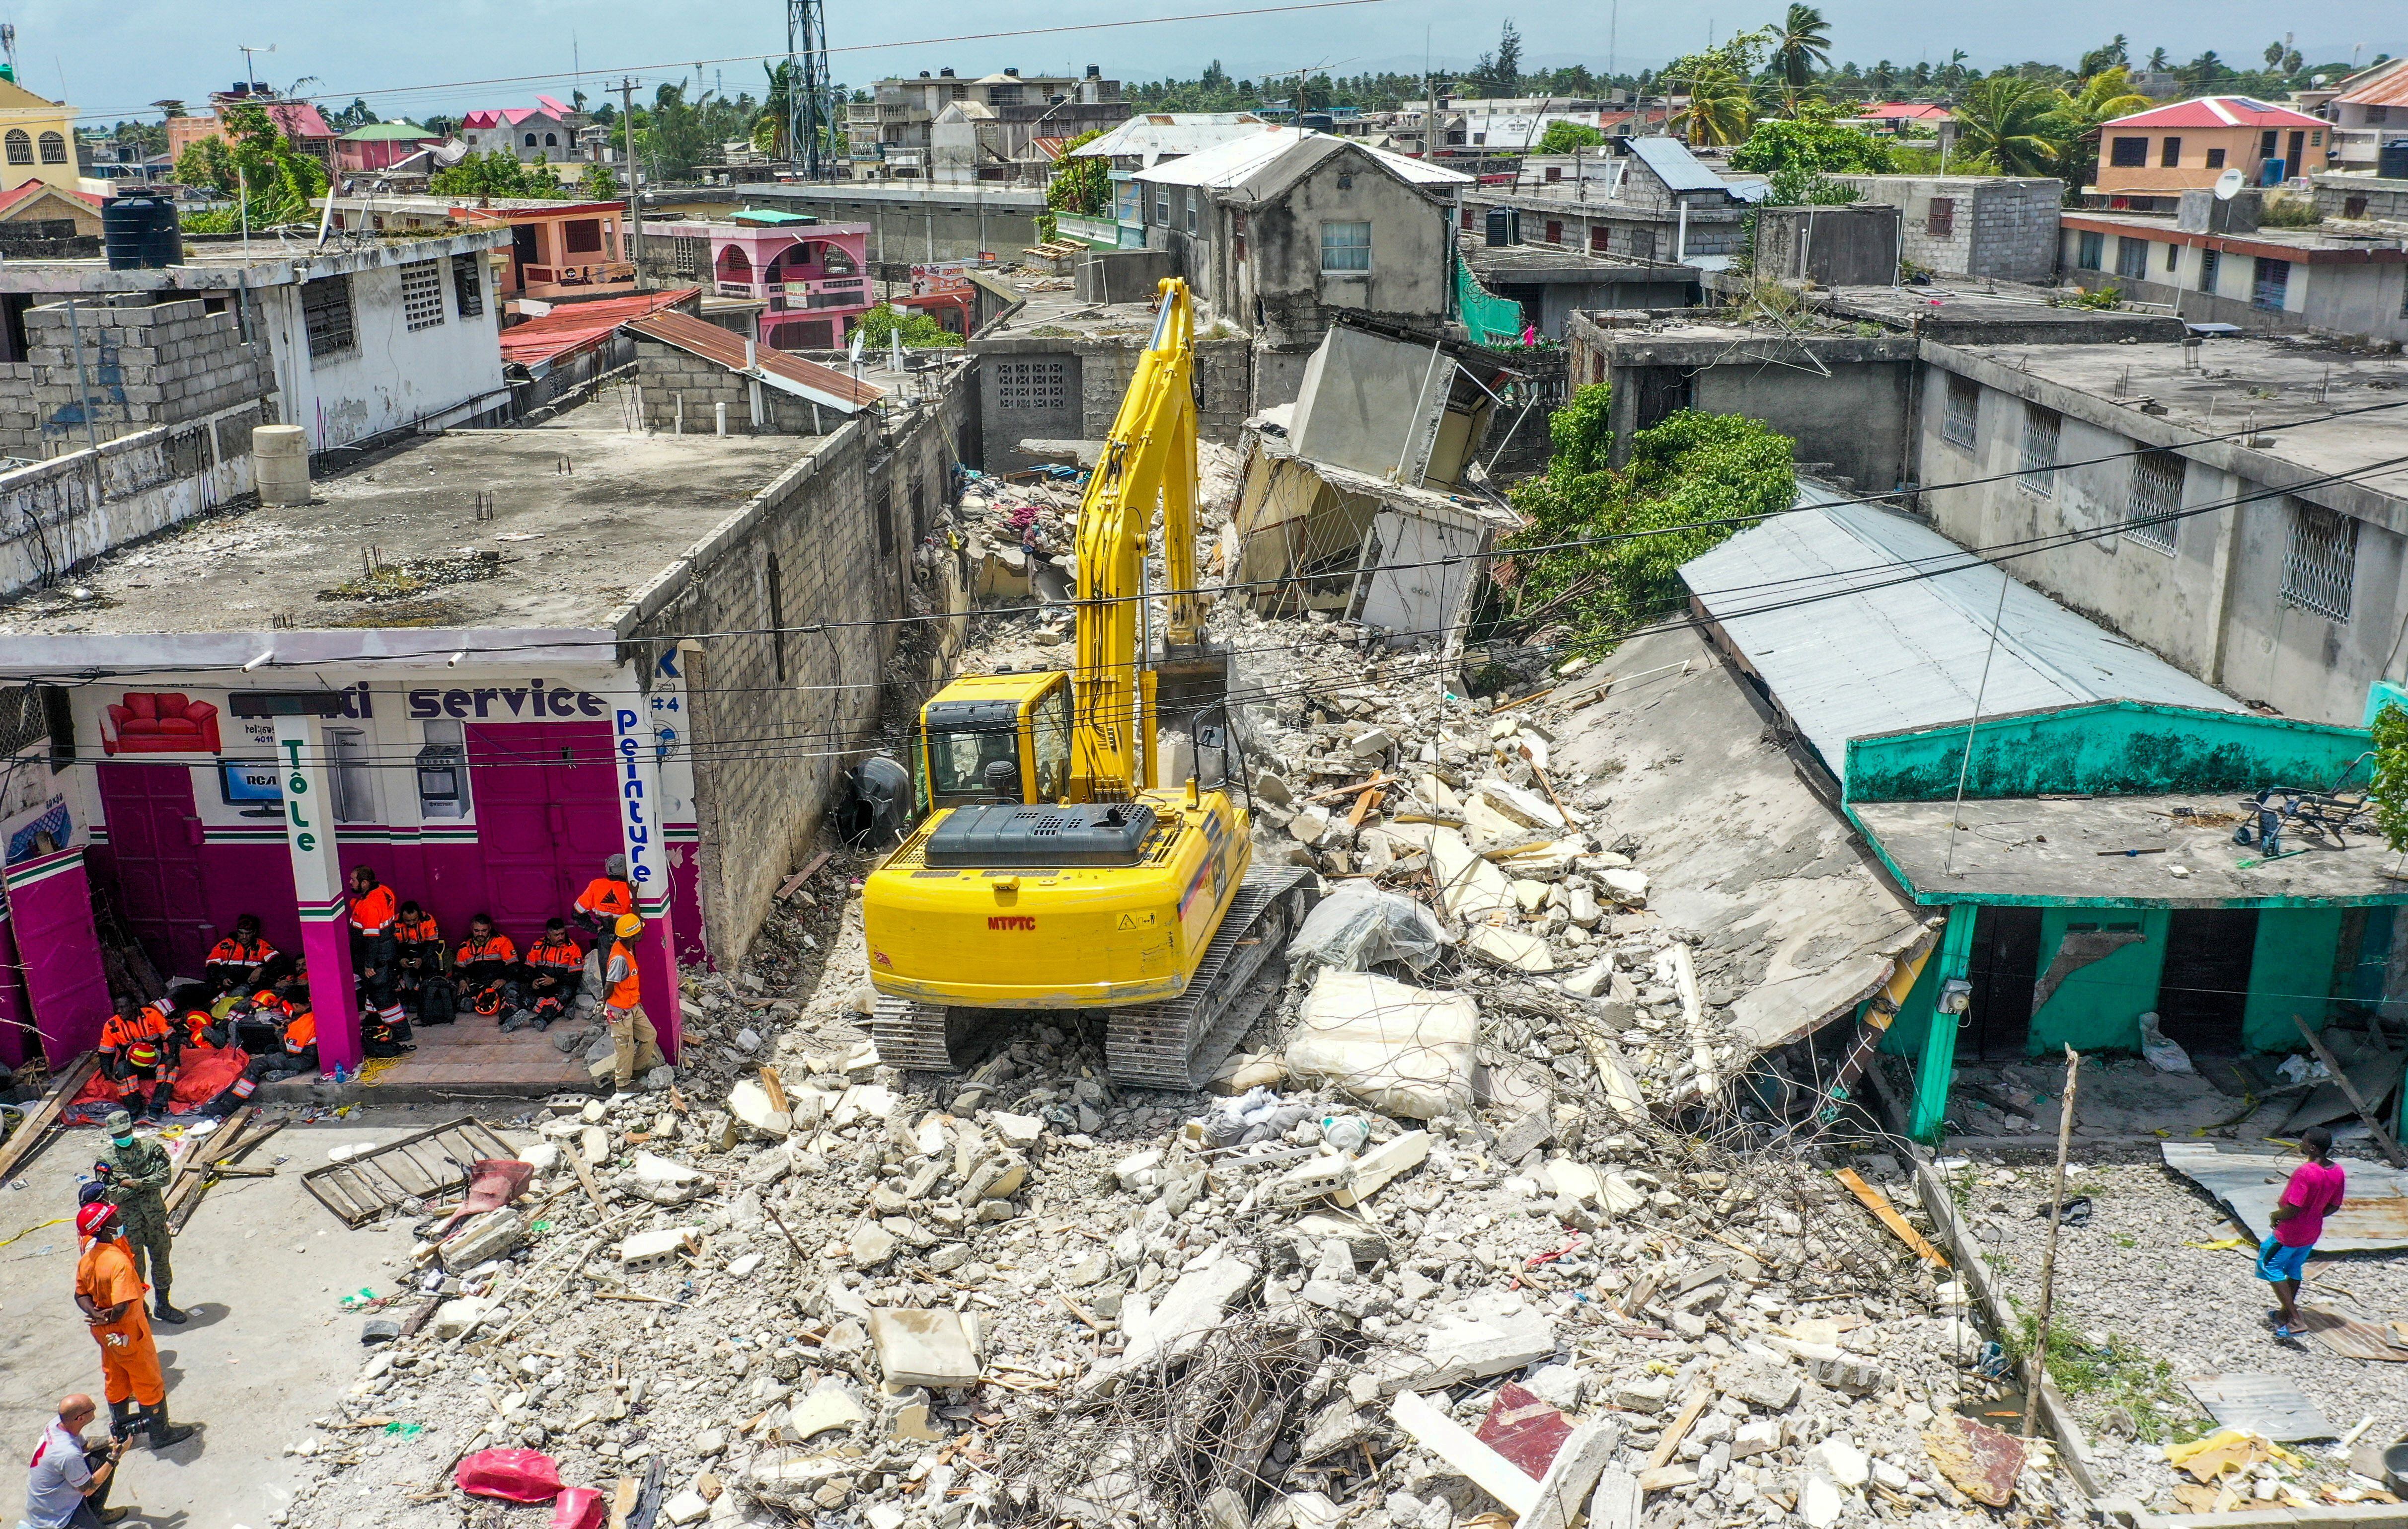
496	174
1690	481
1720	106
2205	70
599	184
2390	789
920	332
2158	63
1563	137
1803	45
253	160
774	115
2009	121
1082	184
2078	114
1499	73
1799	154
2115	55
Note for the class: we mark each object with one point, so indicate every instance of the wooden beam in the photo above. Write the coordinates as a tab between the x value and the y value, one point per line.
2366	1111
21	1148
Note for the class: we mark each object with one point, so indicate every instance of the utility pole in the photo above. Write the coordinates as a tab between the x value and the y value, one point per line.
634	198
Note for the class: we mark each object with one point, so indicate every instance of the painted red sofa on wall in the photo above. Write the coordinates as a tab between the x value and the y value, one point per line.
161	723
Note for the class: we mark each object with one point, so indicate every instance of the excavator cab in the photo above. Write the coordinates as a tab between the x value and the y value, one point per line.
997	737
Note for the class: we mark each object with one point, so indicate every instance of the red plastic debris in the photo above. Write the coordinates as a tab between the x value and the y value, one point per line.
515	1475
577	1508
1524	1429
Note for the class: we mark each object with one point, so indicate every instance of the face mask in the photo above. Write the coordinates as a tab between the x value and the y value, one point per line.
123	1141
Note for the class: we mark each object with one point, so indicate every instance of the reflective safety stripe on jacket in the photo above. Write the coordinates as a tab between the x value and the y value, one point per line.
565	954
418	931
231	952
374	910
498	948
626	990
301	1031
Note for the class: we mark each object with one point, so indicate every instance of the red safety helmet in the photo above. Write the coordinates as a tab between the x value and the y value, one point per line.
142	1053
94	1218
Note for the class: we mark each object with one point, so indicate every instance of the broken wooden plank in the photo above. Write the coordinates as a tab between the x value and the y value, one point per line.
1878	1202
577	1166
2366	1110
775	1087
20	1148
1451	1442
419	1166
1669	1445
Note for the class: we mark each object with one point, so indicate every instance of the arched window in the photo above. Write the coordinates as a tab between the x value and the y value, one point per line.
20	147
733	266
55	148
837	261
551	140
530	140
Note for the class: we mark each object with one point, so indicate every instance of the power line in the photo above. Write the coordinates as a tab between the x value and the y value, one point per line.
680	65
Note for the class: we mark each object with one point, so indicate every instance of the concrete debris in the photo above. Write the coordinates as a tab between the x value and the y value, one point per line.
1030	1295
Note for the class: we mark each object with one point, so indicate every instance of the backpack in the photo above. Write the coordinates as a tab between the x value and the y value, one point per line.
438	1001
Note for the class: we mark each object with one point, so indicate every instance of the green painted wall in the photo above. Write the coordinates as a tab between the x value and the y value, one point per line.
2293	965
1905	1034
2099	1006
2110	748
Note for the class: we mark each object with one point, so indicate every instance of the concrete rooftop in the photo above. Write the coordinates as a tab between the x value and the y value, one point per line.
2320	409
2304	239
1061	313
565	549
2035	851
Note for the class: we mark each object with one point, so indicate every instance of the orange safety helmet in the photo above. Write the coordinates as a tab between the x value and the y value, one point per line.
142	1053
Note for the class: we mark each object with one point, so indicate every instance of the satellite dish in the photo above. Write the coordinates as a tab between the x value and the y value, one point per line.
2229	184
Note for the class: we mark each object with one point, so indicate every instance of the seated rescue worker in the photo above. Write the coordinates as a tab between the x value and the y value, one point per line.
417	947
256	1023
151	1073
239	963
486	969
556	969
296	1050
131	1024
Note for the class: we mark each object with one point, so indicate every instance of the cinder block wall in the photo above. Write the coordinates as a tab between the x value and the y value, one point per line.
136	363
668	374
777	719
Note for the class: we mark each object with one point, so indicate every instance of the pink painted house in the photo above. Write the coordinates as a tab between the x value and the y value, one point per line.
814	276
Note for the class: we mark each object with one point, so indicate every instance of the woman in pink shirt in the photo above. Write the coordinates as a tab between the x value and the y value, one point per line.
2314	1193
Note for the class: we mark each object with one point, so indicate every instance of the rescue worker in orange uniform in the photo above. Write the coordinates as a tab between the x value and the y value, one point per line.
297	1046
555	973
138	1046
634	1045
486	967
376	953
108	1292
418	945
605	899
241	961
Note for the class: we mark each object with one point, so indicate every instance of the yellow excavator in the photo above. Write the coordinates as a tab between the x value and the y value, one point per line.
1054	870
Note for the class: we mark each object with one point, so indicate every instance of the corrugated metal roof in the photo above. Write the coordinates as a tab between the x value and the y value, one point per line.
1679	169
1863	622
788	372
574	324
2220	111
1170	133
1260	163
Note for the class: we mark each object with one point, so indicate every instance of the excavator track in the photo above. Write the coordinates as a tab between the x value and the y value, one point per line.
1174	1043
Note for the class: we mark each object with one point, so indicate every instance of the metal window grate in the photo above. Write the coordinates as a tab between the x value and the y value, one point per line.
326	314
421	294
467	286
2321	568
2042	427
1940	217
1960	411
2157	497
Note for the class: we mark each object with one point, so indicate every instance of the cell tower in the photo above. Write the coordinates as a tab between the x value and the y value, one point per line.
808	110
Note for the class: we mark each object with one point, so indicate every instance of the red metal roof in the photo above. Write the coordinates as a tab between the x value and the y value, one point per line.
10	198
1921	111
572	326
2220	111
714	344
299	119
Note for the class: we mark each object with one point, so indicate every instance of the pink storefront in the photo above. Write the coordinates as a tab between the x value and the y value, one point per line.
194	799
814	276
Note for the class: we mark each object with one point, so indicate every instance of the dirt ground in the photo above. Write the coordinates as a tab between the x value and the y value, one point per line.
261	1268
2152	1307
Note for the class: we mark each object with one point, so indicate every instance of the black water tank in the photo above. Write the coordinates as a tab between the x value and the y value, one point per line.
141	231
1315	122
2391	159
1504	226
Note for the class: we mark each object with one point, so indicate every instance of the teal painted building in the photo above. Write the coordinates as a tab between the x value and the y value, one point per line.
2065	799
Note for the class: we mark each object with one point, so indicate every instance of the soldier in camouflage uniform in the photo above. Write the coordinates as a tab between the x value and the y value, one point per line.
136	1172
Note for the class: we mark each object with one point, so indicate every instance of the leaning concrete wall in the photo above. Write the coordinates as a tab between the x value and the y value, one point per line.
57	513
777	718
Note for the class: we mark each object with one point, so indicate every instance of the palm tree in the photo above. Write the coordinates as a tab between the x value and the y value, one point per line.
1804	43
1885	75
1720	109
2158	63
2008	120
2078	115
1955	73
2206	69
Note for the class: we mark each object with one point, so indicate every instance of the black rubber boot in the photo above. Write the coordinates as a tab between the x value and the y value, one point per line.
121	1420
162	1309
162	1432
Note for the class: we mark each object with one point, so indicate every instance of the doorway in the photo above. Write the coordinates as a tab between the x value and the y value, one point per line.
154	844
2204	988
2004	964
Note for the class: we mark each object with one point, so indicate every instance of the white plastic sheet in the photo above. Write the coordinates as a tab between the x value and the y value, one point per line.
1358	926
1401	1050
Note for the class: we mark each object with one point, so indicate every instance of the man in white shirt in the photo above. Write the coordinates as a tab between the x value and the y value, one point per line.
68	1484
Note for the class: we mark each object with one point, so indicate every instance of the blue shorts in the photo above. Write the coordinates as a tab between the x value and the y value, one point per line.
2278	1262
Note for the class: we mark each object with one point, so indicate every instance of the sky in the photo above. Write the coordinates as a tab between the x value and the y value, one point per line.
448	55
